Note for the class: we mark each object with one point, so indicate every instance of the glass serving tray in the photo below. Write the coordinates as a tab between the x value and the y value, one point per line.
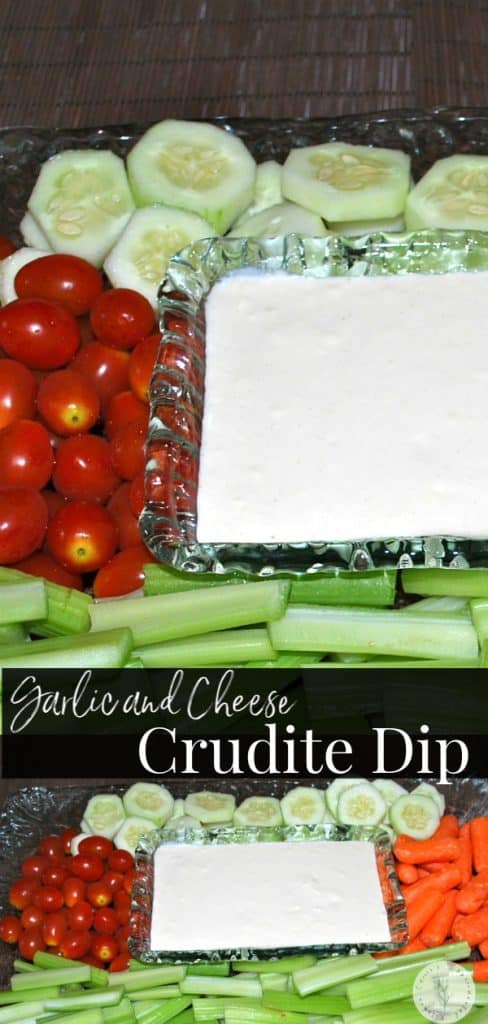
143	890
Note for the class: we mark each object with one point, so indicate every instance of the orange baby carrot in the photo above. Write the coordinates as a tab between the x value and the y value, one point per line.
480	970
479	841
420	910
421	851
448	826
438	928
434	865
407	873
414	946
472	895
423	873
441	881
471	928
483	948
465	859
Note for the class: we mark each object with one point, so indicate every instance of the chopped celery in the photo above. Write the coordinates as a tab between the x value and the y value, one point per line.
259	1015
218	970
107	649
151	978
21	1011
23	600
333	971
47	979
376	588
226	646
450	951
374	663
202	985
159	992
446	582
286	965
401	1012
166	1010
13	632
122	1013
29	995
443	605
168	617
91	1016
320	1004
385	988
84	999
274	982
67	609
159	579
481	994
209	1008
375	632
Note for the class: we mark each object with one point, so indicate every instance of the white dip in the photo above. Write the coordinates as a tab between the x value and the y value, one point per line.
345	408
266	895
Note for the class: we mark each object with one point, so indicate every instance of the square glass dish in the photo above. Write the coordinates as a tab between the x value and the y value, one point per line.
143	893
169	520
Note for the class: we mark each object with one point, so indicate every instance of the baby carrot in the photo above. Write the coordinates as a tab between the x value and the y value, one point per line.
407	873
438	928
472	895
414	946
420	910
434	865
441	881
483	948
422	872
448	826
465	859
471	928
480	970
479	841
421	851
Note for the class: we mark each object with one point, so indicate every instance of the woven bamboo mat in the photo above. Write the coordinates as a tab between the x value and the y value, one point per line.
78	62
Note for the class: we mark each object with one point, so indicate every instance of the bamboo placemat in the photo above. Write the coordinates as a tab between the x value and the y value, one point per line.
79	62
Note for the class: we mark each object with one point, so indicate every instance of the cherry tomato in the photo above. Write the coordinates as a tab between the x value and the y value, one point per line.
120	962
74	890
87	867
6	247
10	928
141	365
127	524
69	280
54	927
21	892
26	458
107	368
52	848
123	573
18	388
121	317
31	916
23	523
122	904
99	846
82	536
104	947
129	881
32	867
99	894
114	880
124	408
84	470
67	835
68	402
80	916
121	860
127	449
39	333
55	875
30	942
48	899
75	944
137	494
41	564
105	921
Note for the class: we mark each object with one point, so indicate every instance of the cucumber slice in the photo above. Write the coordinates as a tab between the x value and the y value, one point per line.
82	202
183	821
209	807
426	789
259	810
389	789
303	805
104	814
347	183
283	219
415	815
139	258
334	791
148	800
195	166
353	228
361	805
32	233
267	189
9	268
452	194
128	835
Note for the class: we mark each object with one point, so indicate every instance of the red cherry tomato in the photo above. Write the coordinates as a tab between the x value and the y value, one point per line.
75	944
107	368
80	916
122	409
114	880
127	524
21	892
39	333
129	881
55	875
48	899
137	494
10	928
32	867
98	846
123	573
52	848
141	365
87	866
6	247
122	904
84	469
104	947
127	449
23	523
54	927
18	388
74	890
82	536
30	942
68	402
31	916
69	280
121	860
120	962
122	935
44	566
121	317
105	921
26	458
67	835
99	894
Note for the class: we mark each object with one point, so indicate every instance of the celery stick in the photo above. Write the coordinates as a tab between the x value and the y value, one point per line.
376	588
374	663
219	970
386	988
442	605
333	971
321	1004
122	1013
21	1011
446	582
259	1015
479	613
84	999
91	1016
210	1008
286	965
274	982
166	1011
374	631
49	961
201	985
158	992
227	646
168	617
67	609
151	978
159	579
29	995
401	1012
107	649
23	600
452	951
47	979
24	966
185	1017
481	993
13	633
